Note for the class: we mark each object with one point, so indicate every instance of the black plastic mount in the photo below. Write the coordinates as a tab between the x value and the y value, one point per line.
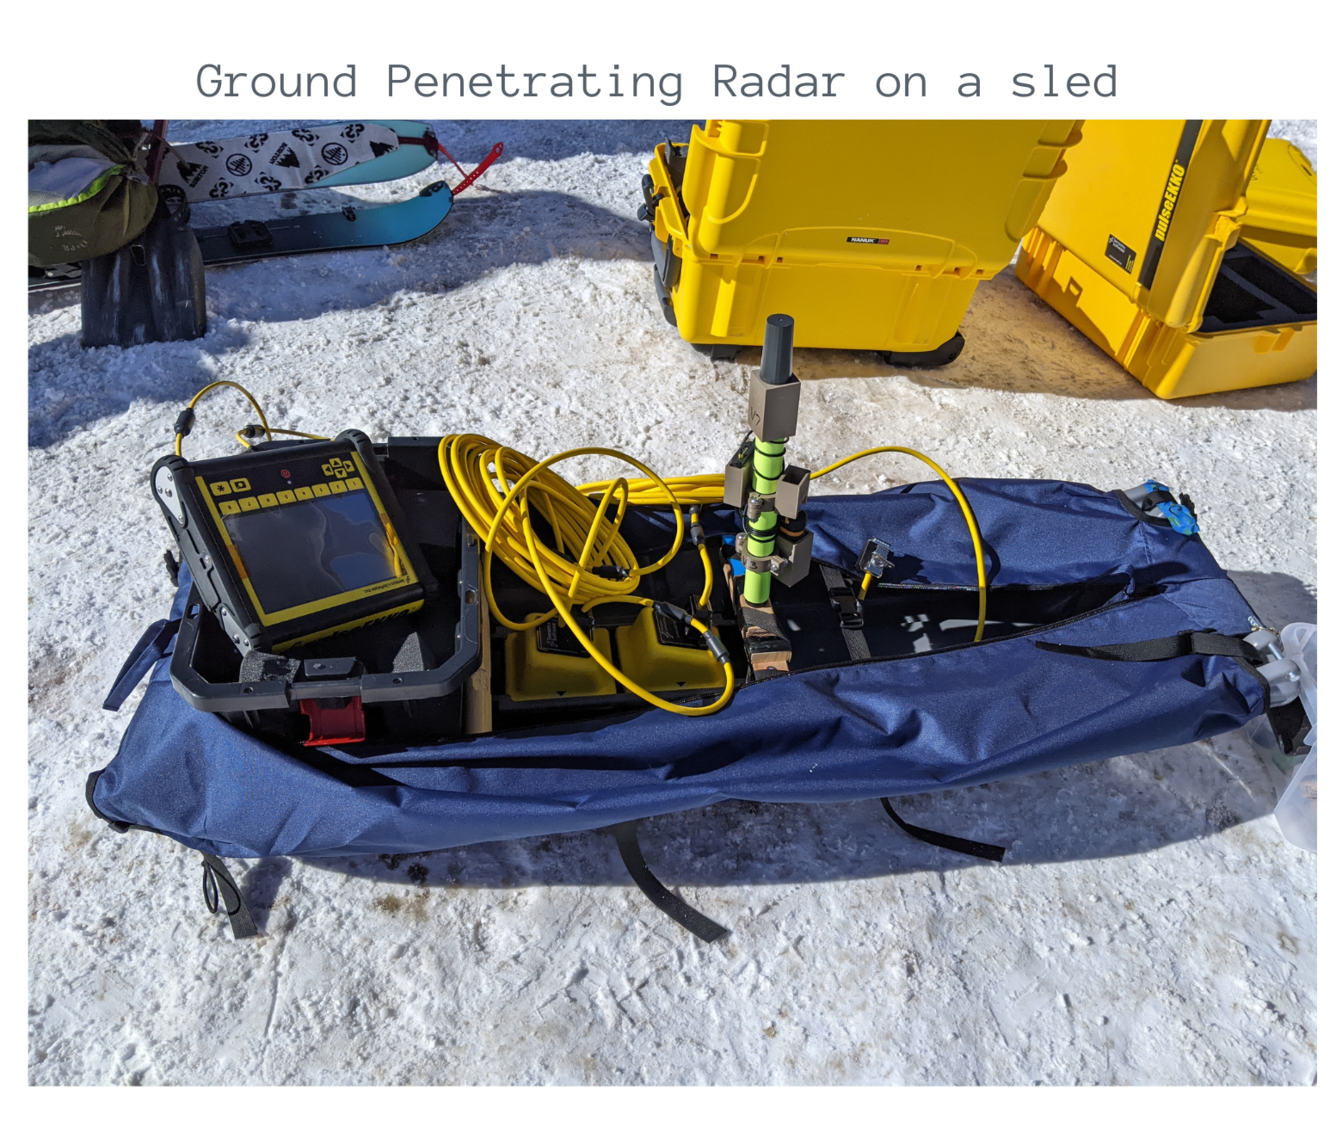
379	688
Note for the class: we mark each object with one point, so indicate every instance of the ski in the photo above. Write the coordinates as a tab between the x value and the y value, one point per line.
349	228
322	156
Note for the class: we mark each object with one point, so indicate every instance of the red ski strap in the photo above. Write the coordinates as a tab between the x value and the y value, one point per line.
429	141
473	176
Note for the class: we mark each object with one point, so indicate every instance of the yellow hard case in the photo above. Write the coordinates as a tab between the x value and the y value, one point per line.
664	667
535	674
1212	314
873	235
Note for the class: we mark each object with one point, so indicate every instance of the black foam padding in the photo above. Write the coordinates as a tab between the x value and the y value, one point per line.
258	666
412	656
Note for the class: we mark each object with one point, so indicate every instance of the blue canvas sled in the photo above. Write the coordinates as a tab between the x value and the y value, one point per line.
1158	661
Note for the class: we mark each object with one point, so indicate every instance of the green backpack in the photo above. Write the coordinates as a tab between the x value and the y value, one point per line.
86	196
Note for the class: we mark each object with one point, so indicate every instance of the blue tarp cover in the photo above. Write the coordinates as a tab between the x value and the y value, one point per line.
956	717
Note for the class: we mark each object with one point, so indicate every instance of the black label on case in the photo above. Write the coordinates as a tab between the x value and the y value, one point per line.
1121	255
554	637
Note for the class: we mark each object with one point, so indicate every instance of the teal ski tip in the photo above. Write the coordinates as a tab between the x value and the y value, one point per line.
407	159
349	228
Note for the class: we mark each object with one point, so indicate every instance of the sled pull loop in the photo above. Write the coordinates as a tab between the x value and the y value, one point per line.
218	882
945	840
628	844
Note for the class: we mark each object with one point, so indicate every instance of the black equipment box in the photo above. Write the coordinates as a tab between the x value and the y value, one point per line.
399	678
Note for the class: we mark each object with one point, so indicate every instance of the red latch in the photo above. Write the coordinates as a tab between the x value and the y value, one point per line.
336	720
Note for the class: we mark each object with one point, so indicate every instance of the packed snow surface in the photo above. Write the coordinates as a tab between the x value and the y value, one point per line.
1149	924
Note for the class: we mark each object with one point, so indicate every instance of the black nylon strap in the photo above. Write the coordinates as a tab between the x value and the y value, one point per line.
839	590
856	644
89	786
218	881
628	844
1181	645
945	840
151	646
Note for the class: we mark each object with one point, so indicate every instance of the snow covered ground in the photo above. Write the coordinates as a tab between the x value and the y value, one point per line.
1149	925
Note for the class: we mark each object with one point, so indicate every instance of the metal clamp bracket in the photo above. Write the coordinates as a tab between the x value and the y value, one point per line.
875	557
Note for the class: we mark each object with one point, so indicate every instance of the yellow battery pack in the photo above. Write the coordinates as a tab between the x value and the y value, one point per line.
665	655
547	662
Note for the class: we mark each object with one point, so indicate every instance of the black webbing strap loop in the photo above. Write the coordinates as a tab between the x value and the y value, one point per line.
152	646
707	930
945	840
1181	645
218	881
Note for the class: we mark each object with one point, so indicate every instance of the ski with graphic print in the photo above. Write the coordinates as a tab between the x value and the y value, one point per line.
349	228
320	156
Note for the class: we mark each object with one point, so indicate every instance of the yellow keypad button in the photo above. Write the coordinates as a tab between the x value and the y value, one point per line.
302	493
337	488
320	490
286	497
240	486
250	503
268	500
354	483
220	488
228	508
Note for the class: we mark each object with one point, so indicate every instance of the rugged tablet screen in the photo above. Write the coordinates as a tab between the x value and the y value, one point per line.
311	550
292	543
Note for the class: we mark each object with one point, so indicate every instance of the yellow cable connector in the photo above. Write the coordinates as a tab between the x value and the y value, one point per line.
961	501
186	420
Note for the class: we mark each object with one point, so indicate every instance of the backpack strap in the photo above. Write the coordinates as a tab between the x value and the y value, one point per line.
945	840
628	844
218	882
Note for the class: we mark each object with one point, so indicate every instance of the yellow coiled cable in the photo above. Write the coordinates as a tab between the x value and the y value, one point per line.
477	471
495	488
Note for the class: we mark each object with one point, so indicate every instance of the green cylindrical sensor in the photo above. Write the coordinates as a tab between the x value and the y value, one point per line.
768	456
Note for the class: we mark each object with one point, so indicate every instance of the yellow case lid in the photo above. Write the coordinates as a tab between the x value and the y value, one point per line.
1151	206
1282	194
